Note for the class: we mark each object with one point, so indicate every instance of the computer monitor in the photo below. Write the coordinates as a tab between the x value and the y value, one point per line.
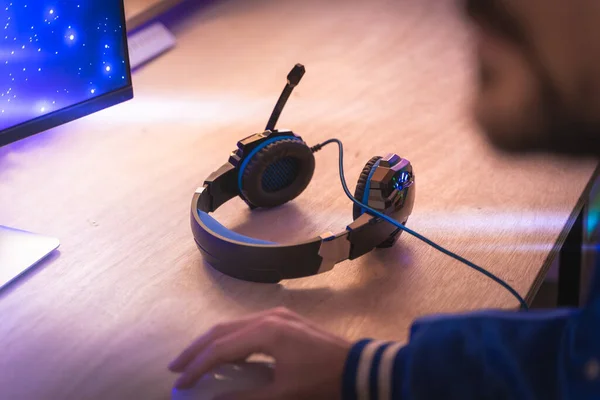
59	60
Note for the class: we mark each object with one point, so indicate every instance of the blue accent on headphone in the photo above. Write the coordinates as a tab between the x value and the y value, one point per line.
401	181
253	153
365	199
219	229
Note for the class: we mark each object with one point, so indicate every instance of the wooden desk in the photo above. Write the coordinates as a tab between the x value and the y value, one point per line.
138	12
129	289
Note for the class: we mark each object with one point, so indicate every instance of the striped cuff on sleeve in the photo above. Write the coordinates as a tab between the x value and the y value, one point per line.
368	373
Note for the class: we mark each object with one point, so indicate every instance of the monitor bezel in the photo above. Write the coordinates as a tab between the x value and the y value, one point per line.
78	110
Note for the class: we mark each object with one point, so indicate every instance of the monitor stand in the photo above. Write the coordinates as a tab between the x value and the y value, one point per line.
20	251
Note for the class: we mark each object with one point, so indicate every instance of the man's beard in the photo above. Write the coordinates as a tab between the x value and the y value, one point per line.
573	136
547	125
566	129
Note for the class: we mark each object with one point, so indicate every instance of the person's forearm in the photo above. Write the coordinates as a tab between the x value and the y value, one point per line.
373	370
480	355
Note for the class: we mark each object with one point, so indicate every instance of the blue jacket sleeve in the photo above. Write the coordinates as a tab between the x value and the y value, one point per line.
484	355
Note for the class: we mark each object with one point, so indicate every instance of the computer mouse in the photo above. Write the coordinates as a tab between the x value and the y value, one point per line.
228	378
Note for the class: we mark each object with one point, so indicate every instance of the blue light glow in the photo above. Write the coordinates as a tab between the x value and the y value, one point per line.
58	53
401	181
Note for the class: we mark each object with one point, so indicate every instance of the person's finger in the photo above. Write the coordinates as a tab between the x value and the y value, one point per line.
256	338
221	330
183	359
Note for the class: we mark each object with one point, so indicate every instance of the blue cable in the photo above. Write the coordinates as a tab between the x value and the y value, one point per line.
392	221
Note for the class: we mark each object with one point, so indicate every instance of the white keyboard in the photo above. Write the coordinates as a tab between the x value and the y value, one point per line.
149	43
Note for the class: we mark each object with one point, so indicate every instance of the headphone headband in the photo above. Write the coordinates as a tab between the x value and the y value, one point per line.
270	262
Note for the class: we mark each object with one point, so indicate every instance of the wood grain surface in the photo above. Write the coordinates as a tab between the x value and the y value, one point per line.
139	12
135	7
128	289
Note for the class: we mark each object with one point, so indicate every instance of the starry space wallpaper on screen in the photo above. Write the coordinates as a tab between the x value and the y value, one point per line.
58	53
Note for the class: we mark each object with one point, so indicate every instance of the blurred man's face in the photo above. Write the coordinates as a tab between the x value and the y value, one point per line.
539	86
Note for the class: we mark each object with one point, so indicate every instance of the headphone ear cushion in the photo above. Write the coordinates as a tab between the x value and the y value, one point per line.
361	186
277	173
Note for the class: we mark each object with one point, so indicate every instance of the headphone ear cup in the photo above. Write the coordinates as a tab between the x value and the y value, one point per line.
277	173
361	186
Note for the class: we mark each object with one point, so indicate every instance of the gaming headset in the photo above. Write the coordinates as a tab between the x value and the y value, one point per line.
271	168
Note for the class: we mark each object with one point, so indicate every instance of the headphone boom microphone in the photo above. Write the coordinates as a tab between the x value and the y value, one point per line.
293	79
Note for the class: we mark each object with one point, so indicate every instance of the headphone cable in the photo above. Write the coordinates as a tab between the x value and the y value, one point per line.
392	221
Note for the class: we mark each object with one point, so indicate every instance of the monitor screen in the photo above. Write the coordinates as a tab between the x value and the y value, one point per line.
59	60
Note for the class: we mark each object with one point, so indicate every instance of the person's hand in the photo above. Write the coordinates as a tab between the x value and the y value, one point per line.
309	362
